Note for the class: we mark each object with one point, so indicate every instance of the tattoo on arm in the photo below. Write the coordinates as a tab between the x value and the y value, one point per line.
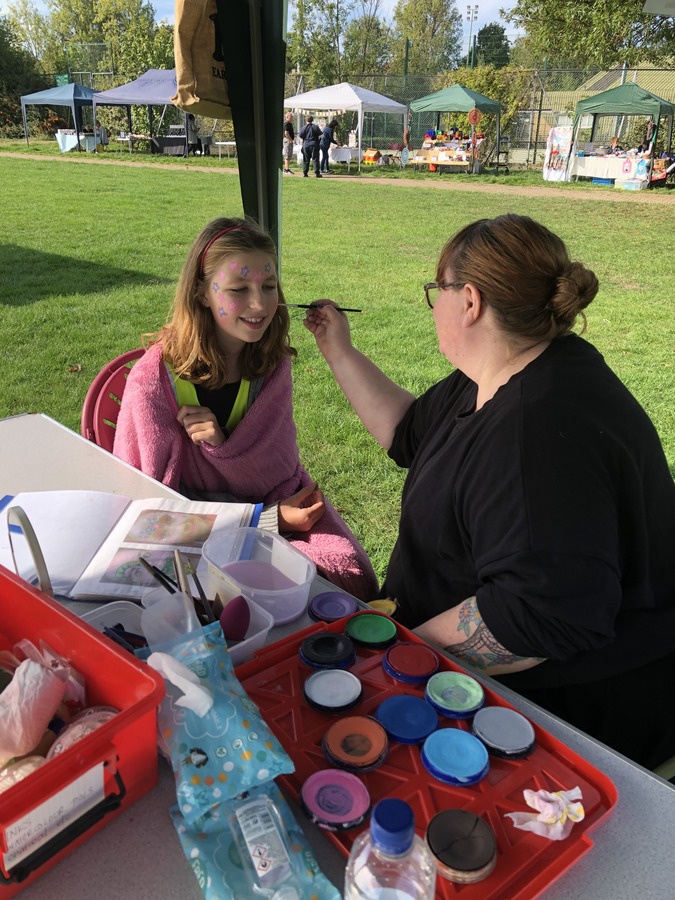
481	649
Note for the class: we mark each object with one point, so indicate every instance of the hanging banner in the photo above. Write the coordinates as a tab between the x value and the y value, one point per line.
558	148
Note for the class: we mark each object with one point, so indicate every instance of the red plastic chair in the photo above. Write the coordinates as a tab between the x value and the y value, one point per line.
104	399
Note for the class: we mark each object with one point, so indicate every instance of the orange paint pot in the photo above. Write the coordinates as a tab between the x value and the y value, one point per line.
356	743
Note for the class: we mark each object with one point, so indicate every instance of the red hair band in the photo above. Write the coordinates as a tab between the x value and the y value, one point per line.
215	238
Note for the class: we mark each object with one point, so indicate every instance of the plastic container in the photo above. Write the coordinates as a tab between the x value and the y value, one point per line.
463	845
119	612
390	860
263	567
99	777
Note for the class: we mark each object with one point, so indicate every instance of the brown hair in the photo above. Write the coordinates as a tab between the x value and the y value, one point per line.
524	274
189	339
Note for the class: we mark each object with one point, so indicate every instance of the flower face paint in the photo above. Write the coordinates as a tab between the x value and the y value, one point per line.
243	298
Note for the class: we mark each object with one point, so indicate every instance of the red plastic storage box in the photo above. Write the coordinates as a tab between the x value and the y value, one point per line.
67	800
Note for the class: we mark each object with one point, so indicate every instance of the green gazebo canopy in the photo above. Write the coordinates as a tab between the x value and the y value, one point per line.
456	98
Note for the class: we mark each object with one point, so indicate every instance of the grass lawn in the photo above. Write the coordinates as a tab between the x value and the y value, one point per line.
90	255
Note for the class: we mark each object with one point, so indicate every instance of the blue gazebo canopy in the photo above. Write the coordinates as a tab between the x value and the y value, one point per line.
73	95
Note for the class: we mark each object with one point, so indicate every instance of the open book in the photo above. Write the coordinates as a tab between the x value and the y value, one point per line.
92	541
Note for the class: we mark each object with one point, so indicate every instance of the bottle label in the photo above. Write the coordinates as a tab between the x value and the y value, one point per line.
263	841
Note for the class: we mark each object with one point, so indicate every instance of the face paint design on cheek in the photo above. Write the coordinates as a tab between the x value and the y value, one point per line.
216	287
221	312
232	305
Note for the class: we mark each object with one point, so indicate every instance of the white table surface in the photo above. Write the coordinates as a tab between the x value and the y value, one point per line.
138	856
607	167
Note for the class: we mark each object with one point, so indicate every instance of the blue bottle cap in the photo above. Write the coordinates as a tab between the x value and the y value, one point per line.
407	719
392	826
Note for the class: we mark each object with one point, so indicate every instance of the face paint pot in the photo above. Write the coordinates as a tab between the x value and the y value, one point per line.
356	743
371	631
327	650
454	694
455	757
410	663
333	690
407	719
331	606
505	732
463	845
335	800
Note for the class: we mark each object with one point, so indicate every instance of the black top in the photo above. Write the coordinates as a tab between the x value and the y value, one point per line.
220	402
310	133
288	131
553	505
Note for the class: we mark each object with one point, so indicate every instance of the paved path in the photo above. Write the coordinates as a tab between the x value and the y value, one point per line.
656	196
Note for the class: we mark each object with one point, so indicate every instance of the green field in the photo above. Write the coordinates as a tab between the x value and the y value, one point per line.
90	254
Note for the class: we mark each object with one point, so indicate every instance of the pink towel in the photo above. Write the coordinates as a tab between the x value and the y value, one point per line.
259	462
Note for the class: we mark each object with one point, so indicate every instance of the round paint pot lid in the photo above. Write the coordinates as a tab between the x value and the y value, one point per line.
504	732
371	630
464	846
331	606
335	800
454	694
332	690
455	757
407	719
358	743
410	663
327	650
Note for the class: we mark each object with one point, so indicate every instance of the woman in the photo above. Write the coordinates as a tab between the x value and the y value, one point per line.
327	138
538	515
208	409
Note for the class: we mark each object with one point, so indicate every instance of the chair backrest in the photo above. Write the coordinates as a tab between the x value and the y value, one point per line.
104	399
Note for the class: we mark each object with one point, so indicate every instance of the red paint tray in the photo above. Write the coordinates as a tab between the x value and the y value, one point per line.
526	863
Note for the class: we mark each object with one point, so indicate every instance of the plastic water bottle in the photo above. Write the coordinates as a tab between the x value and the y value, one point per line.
390	862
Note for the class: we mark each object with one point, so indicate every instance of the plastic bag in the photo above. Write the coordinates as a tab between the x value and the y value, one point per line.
27	706
228	750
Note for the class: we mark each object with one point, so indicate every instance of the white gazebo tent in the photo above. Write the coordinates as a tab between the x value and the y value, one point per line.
344	97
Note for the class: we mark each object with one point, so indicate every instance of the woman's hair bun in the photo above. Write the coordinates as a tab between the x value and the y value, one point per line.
575	289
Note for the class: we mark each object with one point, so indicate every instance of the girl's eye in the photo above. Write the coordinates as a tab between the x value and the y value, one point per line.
271	287
240	290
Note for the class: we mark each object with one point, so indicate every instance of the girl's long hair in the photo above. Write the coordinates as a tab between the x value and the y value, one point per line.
189	339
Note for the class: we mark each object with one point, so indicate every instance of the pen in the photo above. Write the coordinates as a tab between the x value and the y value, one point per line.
318	306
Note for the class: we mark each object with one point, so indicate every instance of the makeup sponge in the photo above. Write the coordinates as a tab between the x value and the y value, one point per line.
235	619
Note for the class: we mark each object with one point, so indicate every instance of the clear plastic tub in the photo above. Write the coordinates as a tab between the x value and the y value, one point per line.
264	568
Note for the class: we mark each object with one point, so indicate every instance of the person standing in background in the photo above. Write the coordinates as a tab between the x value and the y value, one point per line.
309	136
327	138
289	143
193	142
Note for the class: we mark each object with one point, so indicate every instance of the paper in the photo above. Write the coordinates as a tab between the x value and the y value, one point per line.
92	541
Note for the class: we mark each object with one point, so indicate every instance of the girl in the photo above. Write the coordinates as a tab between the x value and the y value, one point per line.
208	408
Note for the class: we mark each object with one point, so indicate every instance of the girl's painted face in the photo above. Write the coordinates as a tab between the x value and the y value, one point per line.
243	296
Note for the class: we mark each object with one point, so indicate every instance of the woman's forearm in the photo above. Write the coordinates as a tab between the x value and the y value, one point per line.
462	632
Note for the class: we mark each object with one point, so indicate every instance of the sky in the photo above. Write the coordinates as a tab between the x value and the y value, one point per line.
488	11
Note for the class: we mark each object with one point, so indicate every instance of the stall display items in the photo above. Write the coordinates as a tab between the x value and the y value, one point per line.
526	863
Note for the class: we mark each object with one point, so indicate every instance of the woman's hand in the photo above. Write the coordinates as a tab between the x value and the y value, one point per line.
329	327
201	425
301	511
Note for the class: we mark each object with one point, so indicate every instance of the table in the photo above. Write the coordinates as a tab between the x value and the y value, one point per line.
172	145
139	854
613	167
344	154
227	145
67	140
131	139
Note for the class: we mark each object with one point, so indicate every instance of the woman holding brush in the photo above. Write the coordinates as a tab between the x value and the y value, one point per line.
538	515
208	409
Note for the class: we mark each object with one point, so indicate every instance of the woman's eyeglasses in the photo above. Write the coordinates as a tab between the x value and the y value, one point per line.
433	289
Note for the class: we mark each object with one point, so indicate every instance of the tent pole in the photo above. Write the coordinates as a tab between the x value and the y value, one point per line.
78	124
25	122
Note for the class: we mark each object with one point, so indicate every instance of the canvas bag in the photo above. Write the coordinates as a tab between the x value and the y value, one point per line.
200	73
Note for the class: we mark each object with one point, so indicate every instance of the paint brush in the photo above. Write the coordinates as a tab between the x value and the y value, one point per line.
158	575
206	606
181	577
319	305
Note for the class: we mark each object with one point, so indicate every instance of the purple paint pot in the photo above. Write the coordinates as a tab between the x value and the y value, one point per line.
335	800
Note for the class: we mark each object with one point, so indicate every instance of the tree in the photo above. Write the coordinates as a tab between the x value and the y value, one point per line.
19	75
367	41
587	33
314	41
492	46
433	30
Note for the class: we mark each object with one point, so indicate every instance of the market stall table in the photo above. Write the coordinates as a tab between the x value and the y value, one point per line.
67	140
610	167
344	154
139	854
229	145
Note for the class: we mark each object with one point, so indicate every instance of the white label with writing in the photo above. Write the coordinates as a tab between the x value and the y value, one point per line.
34	829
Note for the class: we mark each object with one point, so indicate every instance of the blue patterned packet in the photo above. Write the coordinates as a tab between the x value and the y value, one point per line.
228	751
218	859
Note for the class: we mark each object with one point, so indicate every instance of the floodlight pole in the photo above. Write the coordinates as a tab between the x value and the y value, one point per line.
471	17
